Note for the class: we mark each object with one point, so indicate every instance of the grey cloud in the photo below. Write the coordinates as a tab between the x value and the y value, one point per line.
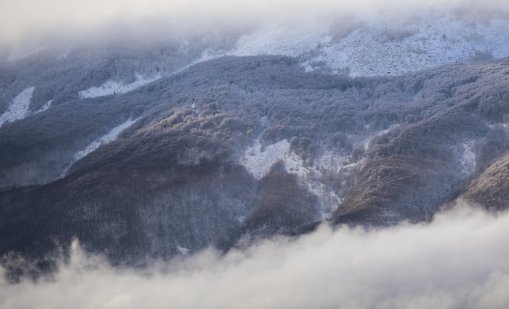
19	18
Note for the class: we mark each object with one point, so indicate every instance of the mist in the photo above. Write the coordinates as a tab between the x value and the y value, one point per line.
459	260
57	19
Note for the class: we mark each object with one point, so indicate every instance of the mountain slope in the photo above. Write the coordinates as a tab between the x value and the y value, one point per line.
350	150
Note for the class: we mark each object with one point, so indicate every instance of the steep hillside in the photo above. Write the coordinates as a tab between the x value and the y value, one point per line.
237	148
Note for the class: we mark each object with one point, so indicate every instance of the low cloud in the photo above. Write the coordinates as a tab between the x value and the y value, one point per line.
19	18
460	260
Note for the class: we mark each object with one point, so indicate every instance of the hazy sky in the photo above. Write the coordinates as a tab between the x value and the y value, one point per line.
27	16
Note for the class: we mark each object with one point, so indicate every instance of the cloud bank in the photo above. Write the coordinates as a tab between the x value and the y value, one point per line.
460	260
19	18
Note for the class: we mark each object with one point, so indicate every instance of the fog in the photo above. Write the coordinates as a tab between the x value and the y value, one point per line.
80	18
459	260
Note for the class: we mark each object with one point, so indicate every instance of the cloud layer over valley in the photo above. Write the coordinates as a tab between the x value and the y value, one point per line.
459	260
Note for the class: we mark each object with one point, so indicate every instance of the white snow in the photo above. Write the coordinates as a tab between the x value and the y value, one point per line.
329	162
45	107
19	108
105	139
332	161
258	159
379	46
108	138
112	87
400	46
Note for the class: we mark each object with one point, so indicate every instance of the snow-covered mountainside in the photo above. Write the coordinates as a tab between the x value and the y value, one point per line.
168	148
375	45
233	149
258	161
401	46
380	46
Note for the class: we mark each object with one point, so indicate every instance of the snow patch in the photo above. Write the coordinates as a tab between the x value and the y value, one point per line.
113	87
258	159
103	140
19	108
329	162
108	138
45	107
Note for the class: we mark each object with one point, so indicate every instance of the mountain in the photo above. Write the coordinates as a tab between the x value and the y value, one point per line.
166	149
